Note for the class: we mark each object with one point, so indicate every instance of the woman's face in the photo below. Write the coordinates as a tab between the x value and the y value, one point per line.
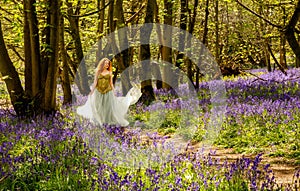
106	64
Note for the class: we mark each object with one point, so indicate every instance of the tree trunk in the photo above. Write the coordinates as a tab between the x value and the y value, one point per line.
283	52
145	55
51	80
12	80
123	41
275	61
183	26
290	31
159	83
217	46
110	19
113	48
192	16
100	31
64	74
30	13
204	41
167	39
81	73
205	32
282	44
267	54
297	59
27	52
266	40
33	64
124	46
226	43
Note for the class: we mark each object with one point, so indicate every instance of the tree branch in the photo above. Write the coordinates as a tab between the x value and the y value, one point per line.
275	60
135	14
16	52
78	7
257	77
91	13
258	15
6	11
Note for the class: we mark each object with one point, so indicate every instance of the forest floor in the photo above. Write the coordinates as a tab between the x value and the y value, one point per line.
282	168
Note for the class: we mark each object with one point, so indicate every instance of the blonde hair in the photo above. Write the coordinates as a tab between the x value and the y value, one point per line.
101	65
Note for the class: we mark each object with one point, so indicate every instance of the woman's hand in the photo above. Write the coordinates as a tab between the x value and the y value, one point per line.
91	92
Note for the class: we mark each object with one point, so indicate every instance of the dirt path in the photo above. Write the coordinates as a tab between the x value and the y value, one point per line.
283	168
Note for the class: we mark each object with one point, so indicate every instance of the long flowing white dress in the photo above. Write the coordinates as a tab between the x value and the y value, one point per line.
103	107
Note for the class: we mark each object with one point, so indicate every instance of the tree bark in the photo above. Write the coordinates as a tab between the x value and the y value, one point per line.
217	46
282	60
11	79
204	41
282	44
110	17
145	55
112	47
51	80
100	31
297	59
204	37
123	40
266	40
64	74
30	13
275	60
157	70
191	27
27	52
167	39
81	74
290	31
183	26
124	46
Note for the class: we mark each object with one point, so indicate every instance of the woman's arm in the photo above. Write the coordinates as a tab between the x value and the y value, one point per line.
95	82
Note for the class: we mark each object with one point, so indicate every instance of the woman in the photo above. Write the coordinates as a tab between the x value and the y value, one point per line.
102	106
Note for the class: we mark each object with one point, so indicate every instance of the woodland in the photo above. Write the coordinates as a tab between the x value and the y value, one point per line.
48	53
239	35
